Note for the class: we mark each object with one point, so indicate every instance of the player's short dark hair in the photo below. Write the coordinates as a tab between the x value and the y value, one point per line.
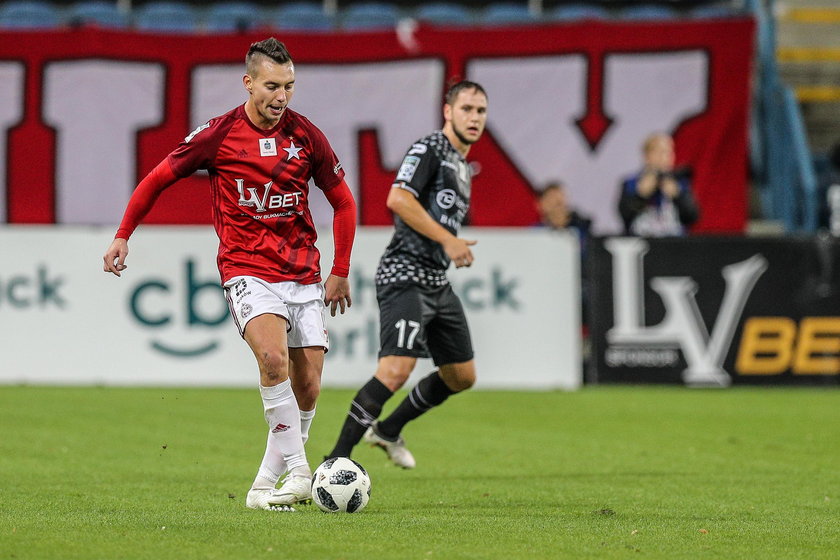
272	48
458	87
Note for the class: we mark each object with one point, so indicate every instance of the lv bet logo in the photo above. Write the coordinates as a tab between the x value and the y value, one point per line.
682	327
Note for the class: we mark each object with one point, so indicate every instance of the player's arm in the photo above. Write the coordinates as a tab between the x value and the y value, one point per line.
337	286
142	200
405	205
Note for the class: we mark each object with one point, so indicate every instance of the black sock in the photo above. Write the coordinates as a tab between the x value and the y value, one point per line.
428	393
365	408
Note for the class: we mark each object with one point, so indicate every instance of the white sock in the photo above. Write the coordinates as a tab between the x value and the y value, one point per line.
284	447
273	465
306	417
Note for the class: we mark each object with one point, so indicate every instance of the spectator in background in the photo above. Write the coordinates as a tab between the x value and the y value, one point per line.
555	213
657	201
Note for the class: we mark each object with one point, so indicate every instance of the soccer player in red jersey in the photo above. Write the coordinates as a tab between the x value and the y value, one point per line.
260	157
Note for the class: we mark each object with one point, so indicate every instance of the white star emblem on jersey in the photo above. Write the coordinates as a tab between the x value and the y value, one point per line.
292	151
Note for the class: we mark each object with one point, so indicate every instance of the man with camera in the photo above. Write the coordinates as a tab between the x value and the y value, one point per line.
657	202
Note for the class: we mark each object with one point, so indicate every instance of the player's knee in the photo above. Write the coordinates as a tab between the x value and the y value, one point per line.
458	378
306	393
463	381
394	374
274	365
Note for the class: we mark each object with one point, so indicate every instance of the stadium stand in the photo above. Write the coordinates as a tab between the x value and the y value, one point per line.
781	162
576	12
99	13
442	13
244	15
713	11
29	14
167	17
370	15
303	15
232	16
807	55
504	13
647	12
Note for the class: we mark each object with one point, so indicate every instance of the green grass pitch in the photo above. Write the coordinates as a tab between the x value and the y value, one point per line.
607	472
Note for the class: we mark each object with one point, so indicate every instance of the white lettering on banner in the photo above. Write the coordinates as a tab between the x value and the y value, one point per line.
323	89
539	132
641	357
682	326
96	153
643	93
11	111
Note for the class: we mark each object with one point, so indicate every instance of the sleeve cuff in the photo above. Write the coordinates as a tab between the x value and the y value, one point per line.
339	270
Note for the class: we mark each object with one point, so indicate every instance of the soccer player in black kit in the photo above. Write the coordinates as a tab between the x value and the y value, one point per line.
419	314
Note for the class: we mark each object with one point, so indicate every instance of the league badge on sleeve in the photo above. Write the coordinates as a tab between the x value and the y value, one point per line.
407	169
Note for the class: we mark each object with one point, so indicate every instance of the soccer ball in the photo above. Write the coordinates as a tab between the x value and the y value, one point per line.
340	485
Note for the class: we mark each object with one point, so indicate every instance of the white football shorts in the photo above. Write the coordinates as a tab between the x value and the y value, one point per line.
302	305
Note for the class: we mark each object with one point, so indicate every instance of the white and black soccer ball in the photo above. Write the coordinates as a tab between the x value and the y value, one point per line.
340	485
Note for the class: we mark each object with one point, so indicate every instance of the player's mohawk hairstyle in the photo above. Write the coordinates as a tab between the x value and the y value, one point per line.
272	48
458	87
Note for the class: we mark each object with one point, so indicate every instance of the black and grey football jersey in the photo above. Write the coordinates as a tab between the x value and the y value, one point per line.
436	173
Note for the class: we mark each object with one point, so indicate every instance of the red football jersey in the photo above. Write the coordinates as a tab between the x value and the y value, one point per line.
259	181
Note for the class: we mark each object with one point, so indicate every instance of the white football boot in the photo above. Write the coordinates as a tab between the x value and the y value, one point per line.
267	499
396	450
296	489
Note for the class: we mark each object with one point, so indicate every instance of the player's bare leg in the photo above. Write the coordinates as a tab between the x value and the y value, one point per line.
306	367
266	335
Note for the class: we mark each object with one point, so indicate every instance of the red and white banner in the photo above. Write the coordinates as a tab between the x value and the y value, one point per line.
85	114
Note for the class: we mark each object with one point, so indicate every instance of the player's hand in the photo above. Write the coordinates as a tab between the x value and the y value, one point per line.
115	256
337	294
458	250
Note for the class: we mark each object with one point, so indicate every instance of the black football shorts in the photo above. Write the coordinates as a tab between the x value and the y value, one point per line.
423	322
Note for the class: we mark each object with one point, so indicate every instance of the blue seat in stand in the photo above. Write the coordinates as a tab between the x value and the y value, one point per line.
176	17
504	13
308	16
233	16
577	12
370	15
441	13
97	13
29	15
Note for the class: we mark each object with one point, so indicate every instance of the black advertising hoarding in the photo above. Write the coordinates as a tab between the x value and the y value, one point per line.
715	311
